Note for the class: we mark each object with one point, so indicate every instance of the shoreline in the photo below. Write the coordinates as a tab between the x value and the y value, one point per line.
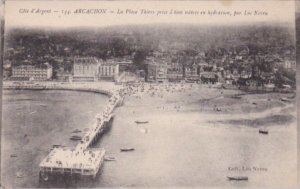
56	86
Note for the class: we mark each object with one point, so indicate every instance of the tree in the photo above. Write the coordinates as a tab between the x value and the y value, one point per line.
139	59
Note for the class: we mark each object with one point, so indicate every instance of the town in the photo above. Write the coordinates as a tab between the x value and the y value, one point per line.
240	66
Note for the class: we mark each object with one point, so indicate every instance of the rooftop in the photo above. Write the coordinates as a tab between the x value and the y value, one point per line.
86	60
24	66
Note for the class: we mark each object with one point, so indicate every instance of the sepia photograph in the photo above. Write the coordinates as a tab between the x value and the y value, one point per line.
149	94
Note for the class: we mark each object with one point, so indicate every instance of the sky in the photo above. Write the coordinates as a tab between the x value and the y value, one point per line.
278	11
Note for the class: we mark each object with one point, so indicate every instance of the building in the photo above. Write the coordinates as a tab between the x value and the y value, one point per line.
191	72
63	76
124	63
85	69
175	71
209	77
157	72
108	70
288	64
29	72
93	69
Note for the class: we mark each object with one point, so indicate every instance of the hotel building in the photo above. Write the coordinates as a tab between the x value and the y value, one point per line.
30	72
93	69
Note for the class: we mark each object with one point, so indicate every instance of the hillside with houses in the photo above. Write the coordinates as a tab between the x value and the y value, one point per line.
253	55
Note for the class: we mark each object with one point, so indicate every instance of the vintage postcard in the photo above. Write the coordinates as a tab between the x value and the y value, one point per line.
149	94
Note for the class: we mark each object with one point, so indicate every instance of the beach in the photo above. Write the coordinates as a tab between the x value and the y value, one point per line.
195	135
188	142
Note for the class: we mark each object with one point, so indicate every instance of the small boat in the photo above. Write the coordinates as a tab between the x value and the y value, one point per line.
56	145
141	122
109	158
265	132
236	97
239	178
285	99
126	149
75	137
76	131
43	105
33	112
13	155
291	97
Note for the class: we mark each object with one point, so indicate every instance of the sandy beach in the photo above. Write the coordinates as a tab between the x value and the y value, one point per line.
196	135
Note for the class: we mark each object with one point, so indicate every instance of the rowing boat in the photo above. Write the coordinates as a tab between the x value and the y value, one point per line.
265	132
141	122
126	149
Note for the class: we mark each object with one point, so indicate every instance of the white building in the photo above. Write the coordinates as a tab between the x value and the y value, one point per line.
93	69
29	72
108	70
85	68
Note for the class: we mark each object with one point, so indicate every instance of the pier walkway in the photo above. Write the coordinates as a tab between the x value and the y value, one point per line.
81	160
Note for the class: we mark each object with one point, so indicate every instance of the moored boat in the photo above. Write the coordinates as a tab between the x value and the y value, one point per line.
141	122
76	131
126	149
265	132
109	158
75	137
285	99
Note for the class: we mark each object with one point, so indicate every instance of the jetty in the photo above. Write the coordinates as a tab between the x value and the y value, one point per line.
71	162
83	160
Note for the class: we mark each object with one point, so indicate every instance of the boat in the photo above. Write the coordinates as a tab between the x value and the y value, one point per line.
43	105
56	145
291	97
13	155
109	158
76	131
75	137
265	132
126	149
285	99
141	122
236	97
239	178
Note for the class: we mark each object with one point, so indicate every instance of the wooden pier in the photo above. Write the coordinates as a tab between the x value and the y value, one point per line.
82	160
71	162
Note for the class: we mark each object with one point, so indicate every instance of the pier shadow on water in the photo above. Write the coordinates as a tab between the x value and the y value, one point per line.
68	181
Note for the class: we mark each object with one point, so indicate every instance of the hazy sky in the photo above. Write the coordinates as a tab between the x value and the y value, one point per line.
278	11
